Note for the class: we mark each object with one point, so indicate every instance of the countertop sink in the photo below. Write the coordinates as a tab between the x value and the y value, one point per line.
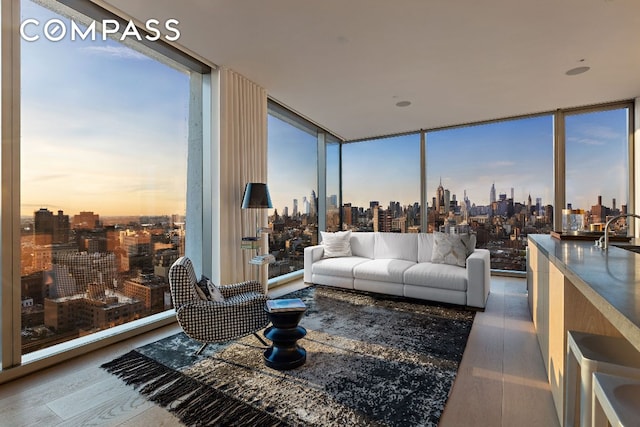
632	248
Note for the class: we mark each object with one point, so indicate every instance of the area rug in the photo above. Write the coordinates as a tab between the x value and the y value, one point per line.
372	360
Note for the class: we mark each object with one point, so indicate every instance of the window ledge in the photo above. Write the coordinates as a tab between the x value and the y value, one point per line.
40	359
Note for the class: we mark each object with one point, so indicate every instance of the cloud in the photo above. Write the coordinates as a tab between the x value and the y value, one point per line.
115	51
50	177
603	132
596	135
589	141
501	164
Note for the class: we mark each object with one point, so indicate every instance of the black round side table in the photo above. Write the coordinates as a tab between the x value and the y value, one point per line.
285	353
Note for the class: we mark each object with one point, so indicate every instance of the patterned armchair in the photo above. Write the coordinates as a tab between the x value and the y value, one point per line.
241	313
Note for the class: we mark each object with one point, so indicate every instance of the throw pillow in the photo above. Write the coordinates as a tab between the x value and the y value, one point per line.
201	290
471	246
209	290
336	244
452	249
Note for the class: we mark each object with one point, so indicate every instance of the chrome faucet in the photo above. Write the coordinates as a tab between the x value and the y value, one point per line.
603	242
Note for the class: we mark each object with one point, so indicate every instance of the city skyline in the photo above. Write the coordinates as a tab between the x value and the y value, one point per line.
514	154
384	203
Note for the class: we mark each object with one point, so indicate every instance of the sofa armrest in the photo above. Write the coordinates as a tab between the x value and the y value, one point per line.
478	278
311	255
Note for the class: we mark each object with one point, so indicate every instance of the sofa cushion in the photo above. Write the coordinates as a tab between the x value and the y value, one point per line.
336	244
383	270
396	246
362	244
342	266
441	276
451	248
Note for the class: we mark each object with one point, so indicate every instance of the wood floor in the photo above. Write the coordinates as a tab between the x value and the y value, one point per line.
501	381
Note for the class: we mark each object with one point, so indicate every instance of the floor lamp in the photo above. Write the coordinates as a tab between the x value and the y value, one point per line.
256	196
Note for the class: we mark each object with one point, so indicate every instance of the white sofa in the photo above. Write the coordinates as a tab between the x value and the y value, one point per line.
400	264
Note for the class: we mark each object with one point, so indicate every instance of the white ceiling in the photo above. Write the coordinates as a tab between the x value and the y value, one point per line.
346	63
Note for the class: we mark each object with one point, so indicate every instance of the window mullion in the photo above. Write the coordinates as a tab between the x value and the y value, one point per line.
11	308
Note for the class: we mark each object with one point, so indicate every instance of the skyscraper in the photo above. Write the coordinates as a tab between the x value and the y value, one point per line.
332	201
440	199
467	202
447	201
492	193
313	203
306	206
347	214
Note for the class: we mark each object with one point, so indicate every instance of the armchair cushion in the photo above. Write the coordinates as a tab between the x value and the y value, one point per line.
235	317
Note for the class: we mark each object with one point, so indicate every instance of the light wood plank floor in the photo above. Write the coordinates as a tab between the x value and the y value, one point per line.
501	381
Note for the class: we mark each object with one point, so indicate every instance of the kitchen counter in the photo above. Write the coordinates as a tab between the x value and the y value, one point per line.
575	286
610	280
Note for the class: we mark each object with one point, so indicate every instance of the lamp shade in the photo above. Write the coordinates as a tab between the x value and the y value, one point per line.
256	195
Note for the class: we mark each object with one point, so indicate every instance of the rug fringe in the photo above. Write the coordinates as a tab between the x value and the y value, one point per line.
195	403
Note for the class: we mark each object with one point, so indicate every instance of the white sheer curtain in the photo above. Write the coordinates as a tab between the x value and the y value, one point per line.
243	158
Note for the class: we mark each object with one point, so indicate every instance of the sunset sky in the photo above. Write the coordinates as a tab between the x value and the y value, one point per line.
104	129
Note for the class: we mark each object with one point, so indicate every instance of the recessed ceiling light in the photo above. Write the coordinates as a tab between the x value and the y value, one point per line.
403	103
577	70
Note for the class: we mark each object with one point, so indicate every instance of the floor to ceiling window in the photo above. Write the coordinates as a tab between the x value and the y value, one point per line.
381	184
292	177
495	180
104	135
597	166
333	185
